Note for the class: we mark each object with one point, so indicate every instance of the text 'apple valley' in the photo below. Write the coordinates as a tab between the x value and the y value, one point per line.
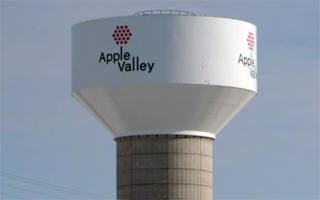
126	62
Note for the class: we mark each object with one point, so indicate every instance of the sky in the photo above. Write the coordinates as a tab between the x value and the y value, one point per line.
270	150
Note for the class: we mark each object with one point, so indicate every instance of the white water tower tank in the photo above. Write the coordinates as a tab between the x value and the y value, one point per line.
164	72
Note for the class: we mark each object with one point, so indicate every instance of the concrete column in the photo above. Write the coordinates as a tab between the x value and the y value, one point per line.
164	167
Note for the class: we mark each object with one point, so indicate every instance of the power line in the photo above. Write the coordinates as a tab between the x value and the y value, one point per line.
51	186
48	185
32	191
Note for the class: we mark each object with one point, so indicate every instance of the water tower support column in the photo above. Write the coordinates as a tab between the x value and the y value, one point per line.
164	167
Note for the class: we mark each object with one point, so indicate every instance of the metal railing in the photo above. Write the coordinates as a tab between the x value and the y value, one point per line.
165	12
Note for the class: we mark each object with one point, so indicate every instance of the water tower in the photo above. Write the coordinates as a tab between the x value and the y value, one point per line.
164	83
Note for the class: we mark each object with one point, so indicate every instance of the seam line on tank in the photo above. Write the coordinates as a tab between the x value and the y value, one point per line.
140	184
200	168
164	153
167	168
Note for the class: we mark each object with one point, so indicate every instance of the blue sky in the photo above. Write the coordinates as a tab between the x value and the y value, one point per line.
270	150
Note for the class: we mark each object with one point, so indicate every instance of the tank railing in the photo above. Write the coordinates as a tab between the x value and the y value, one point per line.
165	12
